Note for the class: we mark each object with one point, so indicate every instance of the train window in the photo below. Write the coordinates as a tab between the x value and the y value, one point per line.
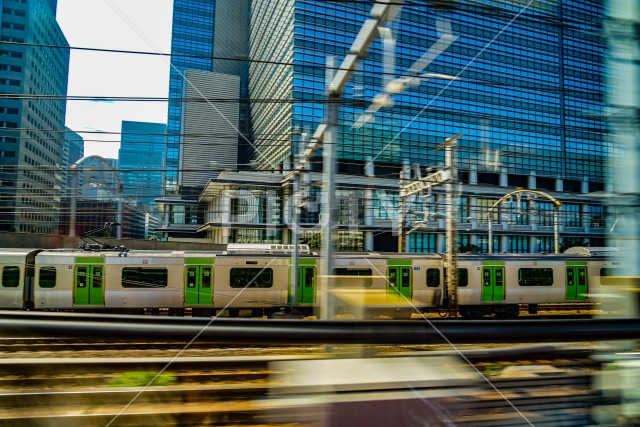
308	277
47	277
251	278
611	272
535	277
10	276
136	277
433	277
97	277
463	277
353	277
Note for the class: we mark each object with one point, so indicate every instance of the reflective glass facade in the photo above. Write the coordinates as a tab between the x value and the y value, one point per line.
141	162
529	97
31	129
191	49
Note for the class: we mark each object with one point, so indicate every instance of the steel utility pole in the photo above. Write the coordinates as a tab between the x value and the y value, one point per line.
451	164
328	187
295	229
381	12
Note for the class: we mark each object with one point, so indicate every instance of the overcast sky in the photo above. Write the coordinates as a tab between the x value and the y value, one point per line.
132	25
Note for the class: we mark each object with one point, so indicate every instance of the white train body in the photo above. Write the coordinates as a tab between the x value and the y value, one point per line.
362	283
499	284
17	278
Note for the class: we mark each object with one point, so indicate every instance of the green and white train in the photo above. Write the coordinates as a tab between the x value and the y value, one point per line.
259	279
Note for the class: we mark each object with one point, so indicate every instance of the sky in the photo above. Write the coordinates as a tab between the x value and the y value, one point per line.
132	25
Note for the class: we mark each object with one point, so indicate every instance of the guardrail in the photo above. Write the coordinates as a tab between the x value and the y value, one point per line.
239	331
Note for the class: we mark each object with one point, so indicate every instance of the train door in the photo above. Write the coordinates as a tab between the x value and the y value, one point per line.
88	288
576	285
198	282
399	280
492	283
306	286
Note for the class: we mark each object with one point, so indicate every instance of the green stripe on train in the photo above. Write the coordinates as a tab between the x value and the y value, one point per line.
398	262
491	262
199	261
90	260
576	263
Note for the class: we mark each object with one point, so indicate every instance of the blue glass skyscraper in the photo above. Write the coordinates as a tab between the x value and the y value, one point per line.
528	96
141	163
191	49
522	82
207	35
32	126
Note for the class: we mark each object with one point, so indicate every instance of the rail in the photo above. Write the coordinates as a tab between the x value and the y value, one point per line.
245	331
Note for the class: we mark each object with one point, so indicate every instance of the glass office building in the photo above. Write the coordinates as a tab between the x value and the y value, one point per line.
31	127
522	81
191	49
207	35
141	163
528	98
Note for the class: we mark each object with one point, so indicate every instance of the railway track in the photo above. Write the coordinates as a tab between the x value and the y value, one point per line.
542	383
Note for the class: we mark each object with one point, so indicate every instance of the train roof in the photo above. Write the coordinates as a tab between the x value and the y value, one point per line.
286	251
527	257
18	251
592	251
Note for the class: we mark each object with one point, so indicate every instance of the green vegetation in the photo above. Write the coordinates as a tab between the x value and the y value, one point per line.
142	379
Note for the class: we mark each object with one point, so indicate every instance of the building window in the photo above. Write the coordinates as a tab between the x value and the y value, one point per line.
464	210
483	243
597	217
545	244
518	244
571	215
178	214
422	243
483	208
545	213
517	212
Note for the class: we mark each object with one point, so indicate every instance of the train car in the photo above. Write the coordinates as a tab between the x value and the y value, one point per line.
109	281
501	284
16	278
261	280
394	285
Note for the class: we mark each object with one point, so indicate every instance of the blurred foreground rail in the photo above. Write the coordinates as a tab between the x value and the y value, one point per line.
548	385
100	370
249	331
